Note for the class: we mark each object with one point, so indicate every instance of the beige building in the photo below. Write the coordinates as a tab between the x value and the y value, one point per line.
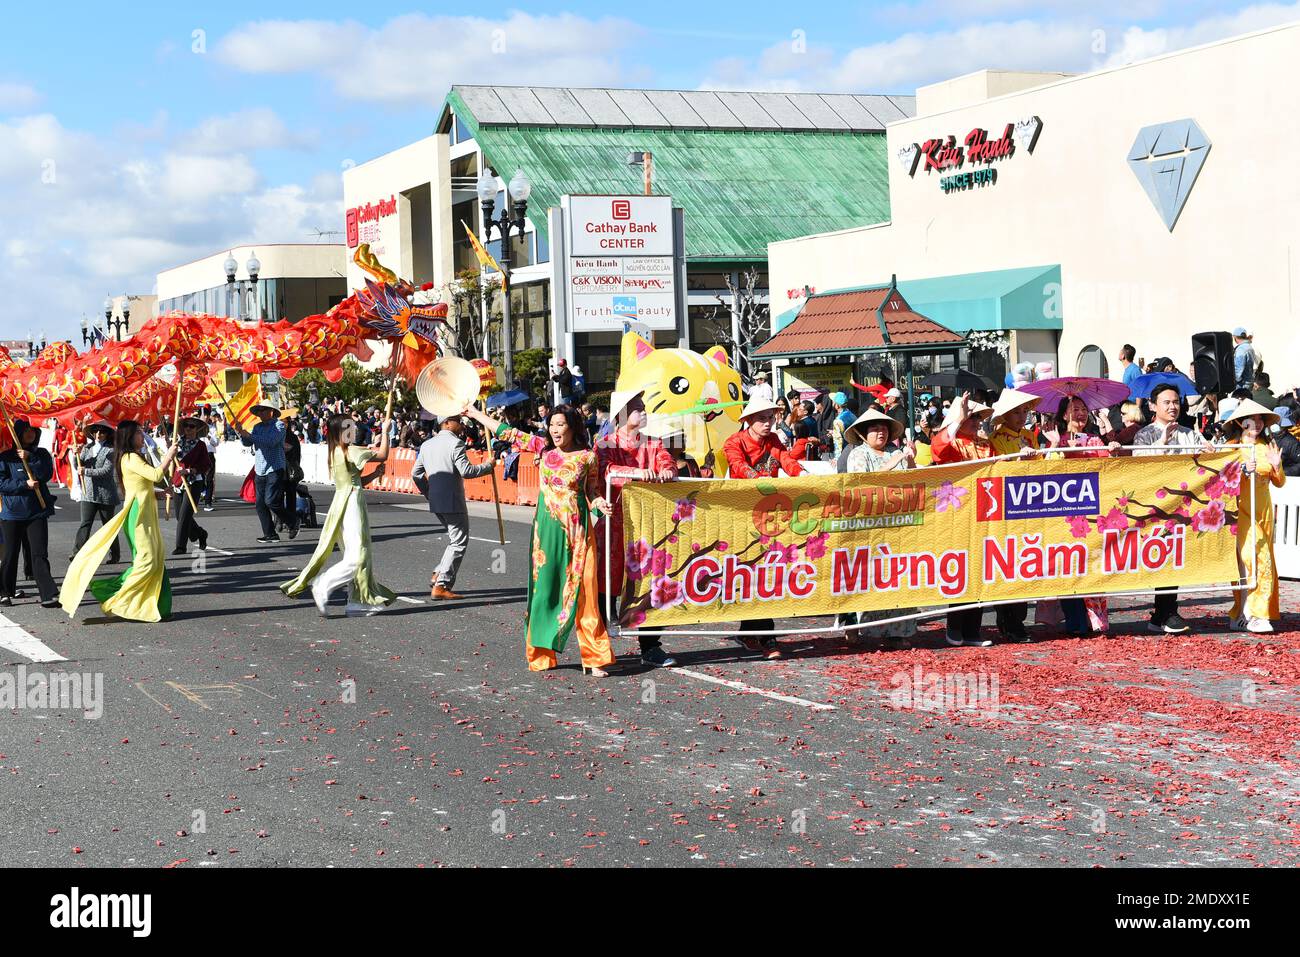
294	280
1069	215
392	203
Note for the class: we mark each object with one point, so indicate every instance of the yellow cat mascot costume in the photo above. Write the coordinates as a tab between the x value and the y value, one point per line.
678	379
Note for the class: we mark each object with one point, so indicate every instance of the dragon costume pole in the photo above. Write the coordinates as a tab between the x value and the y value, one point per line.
18	447
176	431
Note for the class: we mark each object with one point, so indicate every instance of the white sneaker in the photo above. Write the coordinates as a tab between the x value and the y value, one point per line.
1238	624
362	611
1259	626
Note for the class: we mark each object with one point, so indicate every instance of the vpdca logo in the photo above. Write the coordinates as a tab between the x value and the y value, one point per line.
1037	496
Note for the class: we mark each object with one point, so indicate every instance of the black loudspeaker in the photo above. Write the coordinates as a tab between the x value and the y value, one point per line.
1212	365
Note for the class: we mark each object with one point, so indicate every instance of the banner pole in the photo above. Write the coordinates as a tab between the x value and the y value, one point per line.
496	496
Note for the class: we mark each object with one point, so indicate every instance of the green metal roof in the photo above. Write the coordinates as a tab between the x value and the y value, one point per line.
740	189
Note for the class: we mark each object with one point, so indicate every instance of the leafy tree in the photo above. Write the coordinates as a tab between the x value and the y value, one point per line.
532	370
358	388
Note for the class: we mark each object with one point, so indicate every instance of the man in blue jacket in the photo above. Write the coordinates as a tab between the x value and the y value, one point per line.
24	472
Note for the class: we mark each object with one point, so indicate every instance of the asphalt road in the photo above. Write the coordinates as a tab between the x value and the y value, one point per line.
248	731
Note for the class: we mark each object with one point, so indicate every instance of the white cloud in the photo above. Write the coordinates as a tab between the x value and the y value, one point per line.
253	129
88	215
287	46
913	59
901	64
197	179
17	97
1137	43
414	59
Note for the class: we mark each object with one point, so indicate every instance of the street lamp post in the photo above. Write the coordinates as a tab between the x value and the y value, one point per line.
241	289
118	325
513	215
35	346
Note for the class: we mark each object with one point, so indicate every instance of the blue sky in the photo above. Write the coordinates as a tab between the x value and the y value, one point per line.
149	134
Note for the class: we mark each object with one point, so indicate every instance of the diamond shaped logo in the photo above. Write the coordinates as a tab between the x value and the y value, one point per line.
1026	133
908	157
1166	159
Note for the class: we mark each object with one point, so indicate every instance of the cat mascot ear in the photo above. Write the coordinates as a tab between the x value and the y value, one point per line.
635	348
718	354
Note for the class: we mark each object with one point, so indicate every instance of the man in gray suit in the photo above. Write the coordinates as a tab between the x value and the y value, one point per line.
98	485
441	467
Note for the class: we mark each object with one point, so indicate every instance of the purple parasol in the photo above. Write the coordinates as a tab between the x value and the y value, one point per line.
1096	393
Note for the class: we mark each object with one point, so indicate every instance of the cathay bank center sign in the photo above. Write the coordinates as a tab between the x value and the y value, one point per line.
620	262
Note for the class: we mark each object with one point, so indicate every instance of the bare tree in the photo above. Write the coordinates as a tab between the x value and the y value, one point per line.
741	321
469	328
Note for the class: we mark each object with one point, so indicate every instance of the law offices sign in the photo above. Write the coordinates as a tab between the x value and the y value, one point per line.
620	262
973	162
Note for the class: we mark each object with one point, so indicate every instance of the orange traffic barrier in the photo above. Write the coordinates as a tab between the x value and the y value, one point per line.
396	477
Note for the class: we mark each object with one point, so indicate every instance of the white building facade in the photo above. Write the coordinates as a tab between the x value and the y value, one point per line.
1153	200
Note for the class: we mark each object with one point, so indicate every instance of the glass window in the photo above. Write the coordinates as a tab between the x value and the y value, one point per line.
543	247
459	131
536	297
520	250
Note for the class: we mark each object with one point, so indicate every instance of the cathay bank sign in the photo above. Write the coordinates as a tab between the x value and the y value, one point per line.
621	225
619	264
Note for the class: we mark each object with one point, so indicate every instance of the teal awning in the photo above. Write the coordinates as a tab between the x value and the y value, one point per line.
785	318
1025	298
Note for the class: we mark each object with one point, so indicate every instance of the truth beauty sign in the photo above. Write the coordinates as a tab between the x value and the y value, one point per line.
729	550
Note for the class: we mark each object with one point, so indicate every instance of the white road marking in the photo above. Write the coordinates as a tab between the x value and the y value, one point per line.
16	638
410	601
741	686
490	541
220	551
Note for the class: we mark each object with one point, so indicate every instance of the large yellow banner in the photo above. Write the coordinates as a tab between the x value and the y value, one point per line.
730	550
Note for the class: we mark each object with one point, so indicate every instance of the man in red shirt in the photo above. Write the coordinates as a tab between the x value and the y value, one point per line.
754	453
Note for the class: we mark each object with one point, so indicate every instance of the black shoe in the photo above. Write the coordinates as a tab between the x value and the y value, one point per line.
6	602
1017	635
1175	625
52	603
203	541
293	532
977	642
658	657
953	638
269	539
179	551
